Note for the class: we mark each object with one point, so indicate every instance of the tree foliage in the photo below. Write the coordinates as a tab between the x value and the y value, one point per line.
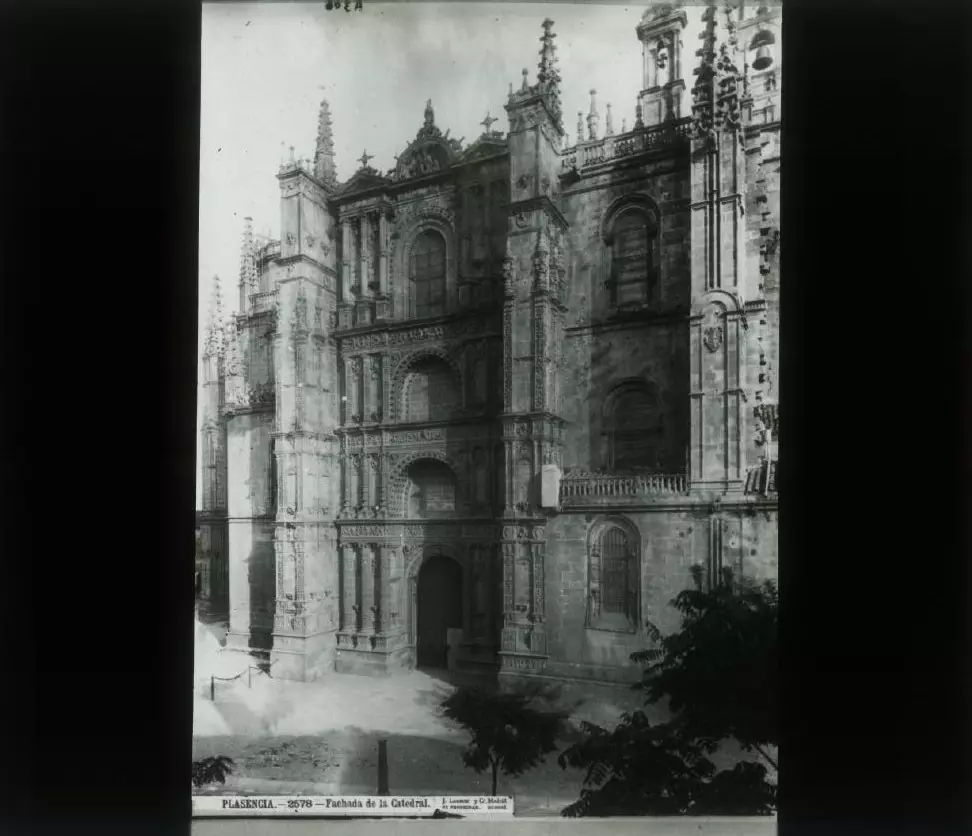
506	732
717	676
211	770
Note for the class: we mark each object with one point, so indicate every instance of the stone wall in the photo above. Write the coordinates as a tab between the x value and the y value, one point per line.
671	542
666	185
596	362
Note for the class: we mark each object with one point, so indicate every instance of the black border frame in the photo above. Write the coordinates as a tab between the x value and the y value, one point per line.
100	142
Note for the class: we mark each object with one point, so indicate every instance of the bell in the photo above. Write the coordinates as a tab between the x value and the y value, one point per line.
762	38
764	58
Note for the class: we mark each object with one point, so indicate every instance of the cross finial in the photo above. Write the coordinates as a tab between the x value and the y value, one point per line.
363	159
488	121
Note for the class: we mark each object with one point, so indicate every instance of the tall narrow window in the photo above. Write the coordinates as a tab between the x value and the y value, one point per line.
614	579
614	572
428	276
633	276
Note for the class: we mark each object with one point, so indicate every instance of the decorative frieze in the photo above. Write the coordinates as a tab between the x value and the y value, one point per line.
412	336
446	530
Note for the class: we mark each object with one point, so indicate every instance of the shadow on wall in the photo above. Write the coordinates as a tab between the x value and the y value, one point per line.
261	562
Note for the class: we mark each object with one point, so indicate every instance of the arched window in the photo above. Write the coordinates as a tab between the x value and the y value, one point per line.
634	428
614	579
431	391
427	276
431	490
633	279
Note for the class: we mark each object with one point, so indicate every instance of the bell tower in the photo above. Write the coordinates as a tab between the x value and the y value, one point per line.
660	33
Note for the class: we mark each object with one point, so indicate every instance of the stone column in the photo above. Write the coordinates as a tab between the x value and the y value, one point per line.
470	570
368	588
373	383
364	253
492	563
346	260
374	484
383	253
509	603
349	593
383	582
353	402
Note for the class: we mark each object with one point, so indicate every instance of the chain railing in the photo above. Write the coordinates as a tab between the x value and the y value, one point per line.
213	679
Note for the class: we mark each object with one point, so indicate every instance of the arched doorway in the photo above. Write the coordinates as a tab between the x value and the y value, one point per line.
439	608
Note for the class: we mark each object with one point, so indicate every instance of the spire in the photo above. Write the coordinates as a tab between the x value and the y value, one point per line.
548	76
639	116
703	91
718	83
593	119
608	122
580	126
429	114
233	367
324	169
247	265
214	330
624	124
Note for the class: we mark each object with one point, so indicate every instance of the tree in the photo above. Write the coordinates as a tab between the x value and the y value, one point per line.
507	733
211	770
717	674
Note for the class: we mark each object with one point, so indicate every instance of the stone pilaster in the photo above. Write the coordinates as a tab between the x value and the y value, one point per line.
349	589
368	589
718	260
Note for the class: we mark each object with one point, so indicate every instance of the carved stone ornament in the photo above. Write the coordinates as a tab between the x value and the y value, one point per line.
520	220
712	338
508	282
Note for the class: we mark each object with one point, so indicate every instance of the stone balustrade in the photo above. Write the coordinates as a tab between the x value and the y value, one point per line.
601	488
609	148
263	301
268	250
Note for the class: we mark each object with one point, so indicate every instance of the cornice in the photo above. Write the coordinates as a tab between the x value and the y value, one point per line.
648	321
544	204
673	504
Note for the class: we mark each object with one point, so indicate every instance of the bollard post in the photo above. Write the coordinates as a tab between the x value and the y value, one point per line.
249	676
382	767
212	688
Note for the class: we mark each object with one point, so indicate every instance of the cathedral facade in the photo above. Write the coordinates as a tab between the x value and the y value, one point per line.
487	410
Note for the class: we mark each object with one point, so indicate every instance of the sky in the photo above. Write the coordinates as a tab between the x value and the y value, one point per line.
266	67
